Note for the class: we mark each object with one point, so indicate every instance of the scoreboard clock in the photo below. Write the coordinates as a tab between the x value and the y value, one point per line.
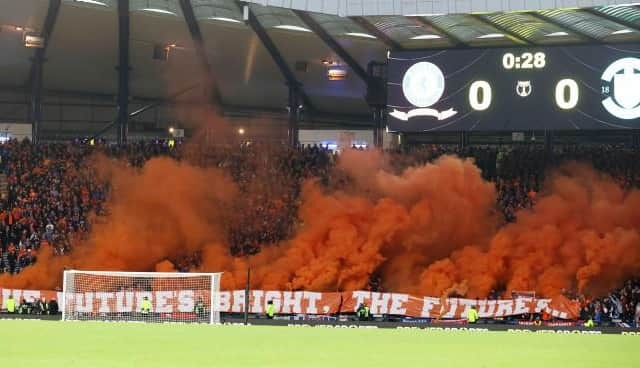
558	88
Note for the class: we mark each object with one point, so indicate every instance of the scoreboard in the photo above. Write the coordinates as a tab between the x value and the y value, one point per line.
556	88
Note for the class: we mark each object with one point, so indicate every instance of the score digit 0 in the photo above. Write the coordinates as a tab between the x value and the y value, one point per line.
567	94
480	102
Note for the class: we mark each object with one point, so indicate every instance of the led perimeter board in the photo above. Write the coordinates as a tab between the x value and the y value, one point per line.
524	88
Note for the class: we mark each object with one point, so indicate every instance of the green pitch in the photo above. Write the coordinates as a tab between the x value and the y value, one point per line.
114	345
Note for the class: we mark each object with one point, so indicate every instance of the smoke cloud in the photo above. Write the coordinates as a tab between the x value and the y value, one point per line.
159	212
431	229
583	233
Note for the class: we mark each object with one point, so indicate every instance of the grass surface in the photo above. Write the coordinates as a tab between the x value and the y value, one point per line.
53	344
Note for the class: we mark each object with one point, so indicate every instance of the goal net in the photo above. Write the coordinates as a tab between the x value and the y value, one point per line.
140	296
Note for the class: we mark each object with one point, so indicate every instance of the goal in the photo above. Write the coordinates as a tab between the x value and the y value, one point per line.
140	296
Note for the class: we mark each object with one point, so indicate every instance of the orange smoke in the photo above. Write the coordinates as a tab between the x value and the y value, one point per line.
162	211
165	266
398	226
430	230
583	233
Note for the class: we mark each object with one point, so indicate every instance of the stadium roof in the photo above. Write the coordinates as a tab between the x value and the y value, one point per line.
82	50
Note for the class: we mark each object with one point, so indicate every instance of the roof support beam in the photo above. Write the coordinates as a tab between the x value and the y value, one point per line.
585	37
277	57
335	46
37	68
146	107
511	35
123	70
198	41
371	28
294	116
612	18
424	23
35	111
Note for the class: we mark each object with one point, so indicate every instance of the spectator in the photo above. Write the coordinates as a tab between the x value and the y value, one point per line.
53	307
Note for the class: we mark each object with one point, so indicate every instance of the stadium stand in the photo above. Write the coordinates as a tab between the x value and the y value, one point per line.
52	195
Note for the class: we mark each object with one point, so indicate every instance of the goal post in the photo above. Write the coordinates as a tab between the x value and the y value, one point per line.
140	296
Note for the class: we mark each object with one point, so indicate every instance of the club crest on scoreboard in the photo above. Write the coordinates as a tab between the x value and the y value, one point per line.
423	85
623	89
620	83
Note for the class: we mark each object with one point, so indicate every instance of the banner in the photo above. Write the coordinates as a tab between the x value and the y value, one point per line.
303	302
562	307
285	302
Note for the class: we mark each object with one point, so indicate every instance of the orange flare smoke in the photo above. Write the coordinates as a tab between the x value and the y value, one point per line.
432	229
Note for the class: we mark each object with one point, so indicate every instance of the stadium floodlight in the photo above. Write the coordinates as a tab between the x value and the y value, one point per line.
336	73
361	35
141	296
622	31
225	19
426	37
557	34
292	28
160	11
33	41
491	35
93	2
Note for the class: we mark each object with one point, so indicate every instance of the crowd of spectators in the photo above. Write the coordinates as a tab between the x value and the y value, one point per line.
519	171
50	192
46	198
270	178
620	306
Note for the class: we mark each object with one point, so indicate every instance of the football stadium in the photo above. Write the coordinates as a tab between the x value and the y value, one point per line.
319	183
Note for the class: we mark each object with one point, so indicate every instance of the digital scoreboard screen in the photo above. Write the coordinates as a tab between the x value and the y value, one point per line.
555	88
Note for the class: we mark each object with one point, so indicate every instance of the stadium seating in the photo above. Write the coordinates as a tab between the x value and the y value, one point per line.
49	192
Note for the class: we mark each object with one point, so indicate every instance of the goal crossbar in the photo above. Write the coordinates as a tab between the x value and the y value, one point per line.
143	274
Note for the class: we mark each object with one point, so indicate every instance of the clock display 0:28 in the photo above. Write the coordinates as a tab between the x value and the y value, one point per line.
526	60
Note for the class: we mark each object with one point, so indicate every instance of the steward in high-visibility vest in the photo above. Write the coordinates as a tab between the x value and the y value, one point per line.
11	304
472	315
271	309
363	312
589	323
146	307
